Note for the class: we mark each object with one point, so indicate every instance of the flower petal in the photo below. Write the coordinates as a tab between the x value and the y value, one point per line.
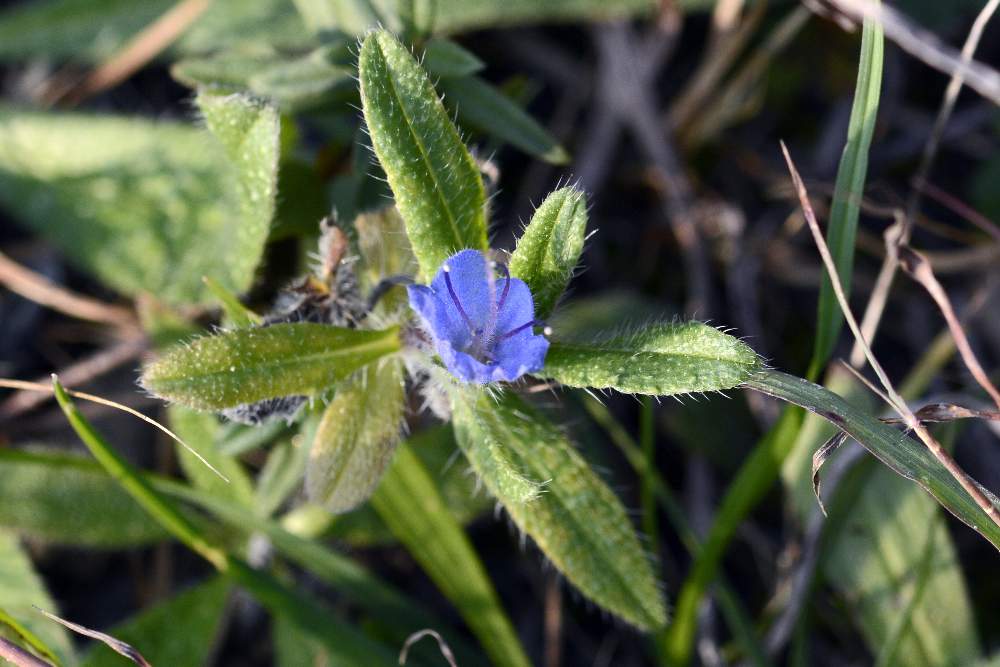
518	308
520	354
436	317
470	278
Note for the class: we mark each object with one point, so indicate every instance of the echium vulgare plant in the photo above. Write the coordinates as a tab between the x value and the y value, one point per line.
461	326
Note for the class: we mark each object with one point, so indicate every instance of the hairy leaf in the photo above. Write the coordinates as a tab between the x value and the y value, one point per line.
356	438
249	365
200	432
433	177
147	206
577	521
661	359
549	249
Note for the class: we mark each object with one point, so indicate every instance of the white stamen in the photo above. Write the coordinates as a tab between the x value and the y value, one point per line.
547	331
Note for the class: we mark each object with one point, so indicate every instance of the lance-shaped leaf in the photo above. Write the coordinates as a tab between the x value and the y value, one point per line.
179	631
22	593
443	57
433	177
550	247
61	499
481	106
250	365
577	521
661	359
356	438
147	206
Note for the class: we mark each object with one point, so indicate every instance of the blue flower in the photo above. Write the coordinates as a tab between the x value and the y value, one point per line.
481	324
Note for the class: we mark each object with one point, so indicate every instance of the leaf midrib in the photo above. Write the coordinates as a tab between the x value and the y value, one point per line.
421	149
279	364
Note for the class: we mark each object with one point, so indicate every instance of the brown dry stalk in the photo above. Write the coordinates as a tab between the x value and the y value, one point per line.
18	656
917	266
24	385
145	46
896	402
76	374
900	231
36	287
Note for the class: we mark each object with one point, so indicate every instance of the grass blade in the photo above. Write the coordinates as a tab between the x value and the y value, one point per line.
342	640
848	192
905	456
409	503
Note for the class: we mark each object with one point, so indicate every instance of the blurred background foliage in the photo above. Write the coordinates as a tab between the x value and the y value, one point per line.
147	145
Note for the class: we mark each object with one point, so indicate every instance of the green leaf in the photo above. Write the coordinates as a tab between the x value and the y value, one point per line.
445	58
92	30
199	431
481	106
64	500
410	504
179	631
146	206
21	591
433	177
345	642
249	365
893	561
907	457
294	82
249	131
356	438
436	449
549	249
660	359
848	192
235	313
578	522
491	456
353	17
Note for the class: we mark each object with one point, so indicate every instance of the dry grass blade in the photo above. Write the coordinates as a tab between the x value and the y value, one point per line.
820	457
115	645
960	208
133	56
18	656
41	290
900	231
77	373
924	45
417	636
917	266
23	385
897	403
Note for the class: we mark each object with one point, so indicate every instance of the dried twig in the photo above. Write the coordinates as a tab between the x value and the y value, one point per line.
917	266
145	46
442	644
41	290
897	403
923	45
900	232
48	389
18	656
553	622
75	374
625	84
115	645
960	208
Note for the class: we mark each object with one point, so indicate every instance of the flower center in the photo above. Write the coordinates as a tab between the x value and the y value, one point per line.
484	339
